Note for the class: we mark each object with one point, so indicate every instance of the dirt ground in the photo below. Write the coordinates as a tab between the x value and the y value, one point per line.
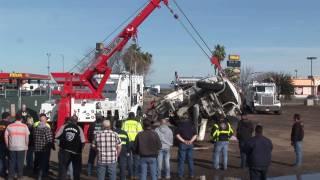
276	127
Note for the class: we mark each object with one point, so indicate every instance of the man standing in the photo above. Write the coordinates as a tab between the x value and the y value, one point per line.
244	133
123	157
93	129
43	140
186	134
166	137
132	127
71	143
17	139
4	152
108	145
258	150
221	134
147	145
297	134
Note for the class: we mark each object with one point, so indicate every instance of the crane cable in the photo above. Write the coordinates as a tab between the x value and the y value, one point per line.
193	27
109	35
189	32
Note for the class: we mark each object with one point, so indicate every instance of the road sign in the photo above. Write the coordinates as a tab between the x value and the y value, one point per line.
233	63
234	57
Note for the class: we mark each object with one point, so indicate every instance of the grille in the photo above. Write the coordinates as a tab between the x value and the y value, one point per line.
267	100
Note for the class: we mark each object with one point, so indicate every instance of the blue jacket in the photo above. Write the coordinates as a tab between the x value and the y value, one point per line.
258	150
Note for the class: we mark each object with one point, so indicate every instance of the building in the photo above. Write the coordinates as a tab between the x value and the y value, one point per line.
306	86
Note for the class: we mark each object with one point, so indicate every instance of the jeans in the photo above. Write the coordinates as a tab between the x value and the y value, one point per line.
298	150
42	159
4	158
164	154
220	146
65	158
243	155
258	173
92	157
123	161
16	163
29	158
185	152
133	162
150	162
111	169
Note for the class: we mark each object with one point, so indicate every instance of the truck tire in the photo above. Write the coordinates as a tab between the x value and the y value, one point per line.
278	112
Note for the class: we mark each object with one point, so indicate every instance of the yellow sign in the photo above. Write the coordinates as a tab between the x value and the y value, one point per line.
15	75
234	57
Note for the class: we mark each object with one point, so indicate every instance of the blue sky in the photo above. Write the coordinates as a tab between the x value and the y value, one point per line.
268	35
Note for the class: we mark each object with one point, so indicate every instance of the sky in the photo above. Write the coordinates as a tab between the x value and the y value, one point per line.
268	35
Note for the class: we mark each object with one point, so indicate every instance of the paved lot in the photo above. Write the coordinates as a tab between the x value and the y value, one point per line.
277	127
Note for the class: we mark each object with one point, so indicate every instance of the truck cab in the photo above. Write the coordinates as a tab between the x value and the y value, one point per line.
262	97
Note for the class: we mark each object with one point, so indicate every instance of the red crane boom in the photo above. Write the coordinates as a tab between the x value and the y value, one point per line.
90	89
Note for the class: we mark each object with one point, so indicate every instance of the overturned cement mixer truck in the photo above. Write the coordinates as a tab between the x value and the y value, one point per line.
201	102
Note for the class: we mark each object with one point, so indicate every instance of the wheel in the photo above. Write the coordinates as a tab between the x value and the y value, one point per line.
278	112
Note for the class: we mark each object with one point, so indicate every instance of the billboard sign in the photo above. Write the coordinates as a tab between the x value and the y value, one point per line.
234	57
233	63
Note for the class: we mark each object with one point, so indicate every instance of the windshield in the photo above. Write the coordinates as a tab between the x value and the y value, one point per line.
266	89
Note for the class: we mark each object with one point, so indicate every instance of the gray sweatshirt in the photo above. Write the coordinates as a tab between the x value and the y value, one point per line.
166	136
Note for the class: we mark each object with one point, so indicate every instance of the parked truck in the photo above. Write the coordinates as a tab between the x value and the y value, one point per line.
262	97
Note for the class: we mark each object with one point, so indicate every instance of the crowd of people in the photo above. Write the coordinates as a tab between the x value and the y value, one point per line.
129	149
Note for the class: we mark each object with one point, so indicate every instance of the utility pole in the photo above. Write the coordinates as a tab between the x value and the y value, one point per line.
62	56
48	85
311	59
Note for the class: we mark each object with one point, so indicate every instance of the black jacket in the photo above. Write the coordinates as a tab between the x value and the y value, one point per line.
297	132
258	150
244	130
147	143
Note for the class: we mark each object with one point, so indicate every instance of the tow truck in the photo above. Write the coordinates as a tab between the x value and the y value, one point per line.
85	86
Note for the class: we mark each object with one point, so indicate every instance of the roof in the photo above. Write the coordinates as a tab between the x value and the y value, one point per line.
27	76
301	82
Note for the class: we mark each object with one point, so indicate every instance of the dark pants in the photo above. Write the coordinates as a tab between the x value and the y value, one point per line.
41	162
65	158
16	163
243	155
258	173
123	161
4	159
133	162
30	157
92	157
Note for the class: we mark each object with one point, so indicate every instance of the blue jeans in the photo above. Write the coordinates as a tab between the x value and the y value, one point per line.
164	154
111	169
4	158
185	152
298	150
16	162
92	157
123	161
220	146
133	162
152	163
243	155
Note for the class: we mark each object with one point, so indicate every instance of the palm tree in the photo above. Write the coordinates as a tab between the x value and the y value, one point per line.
219	52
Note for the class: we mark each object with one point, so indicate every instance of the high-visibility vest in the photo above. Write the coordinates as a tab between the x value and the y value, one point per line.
36	124
132	127
124	138
220	135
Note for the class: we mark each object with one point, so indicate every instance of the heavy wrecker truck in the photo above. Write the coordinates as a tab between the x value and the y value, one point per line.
210	96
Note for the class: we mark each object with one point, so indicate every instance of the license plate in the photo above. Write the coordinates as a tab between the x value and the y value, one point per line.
267	110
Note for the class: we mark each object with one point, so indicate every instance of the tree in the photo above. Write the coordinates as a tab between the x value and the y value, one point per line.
282	80
246	75
232	75
137	61
219	52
